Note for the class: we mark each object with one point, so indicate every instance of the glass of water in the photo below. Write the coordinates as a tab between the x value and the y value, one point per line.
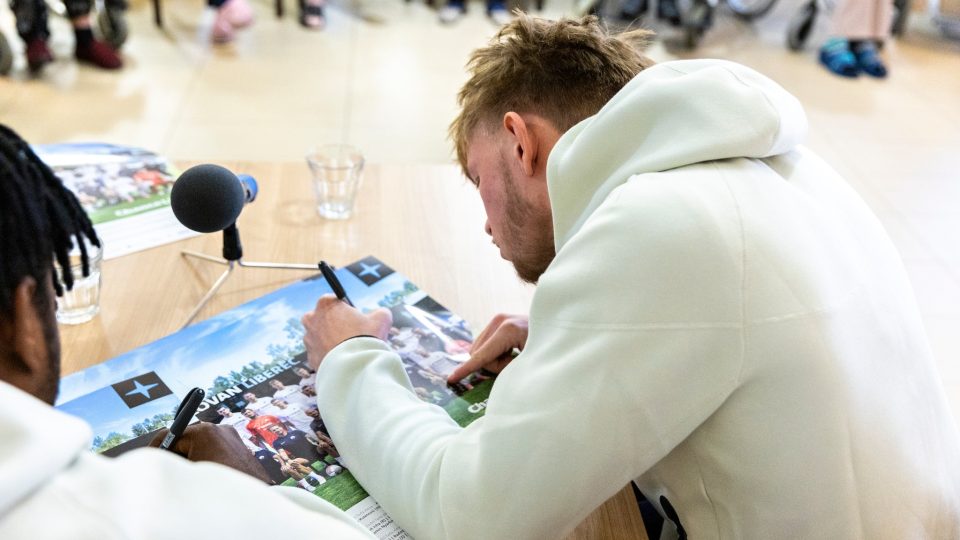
337	170
81	303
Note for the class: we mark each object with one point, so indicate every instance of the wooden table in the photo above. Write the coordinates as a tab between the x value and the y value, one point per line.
424	221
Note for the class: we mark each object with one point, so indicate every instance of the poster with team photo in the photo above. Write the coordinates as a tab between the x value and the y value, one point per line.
252	364
125	191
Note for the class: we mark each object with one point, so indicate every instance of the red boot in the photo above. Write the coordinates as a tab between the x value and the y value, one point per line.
99	54
38	54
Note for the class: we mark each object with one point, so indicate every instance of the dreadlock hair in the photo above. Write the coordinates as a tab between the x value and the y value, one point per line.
39	218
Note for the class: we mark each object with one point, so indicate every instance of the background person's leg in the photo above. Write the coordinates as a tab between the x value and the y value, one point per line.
860	25
32	27
862	19
89	49
311	14
231	14
497	11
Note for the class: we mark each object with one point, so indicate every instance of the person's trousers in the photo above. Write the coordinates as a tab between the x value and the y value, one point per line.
862	19
31	15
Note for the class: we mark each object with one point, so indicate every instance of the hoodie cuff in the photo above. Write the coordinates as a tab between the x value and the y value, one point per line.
353	345
356	337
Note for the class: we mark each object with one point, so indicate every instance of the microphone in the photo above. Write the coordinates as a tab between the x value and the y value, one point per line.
250	188
209	198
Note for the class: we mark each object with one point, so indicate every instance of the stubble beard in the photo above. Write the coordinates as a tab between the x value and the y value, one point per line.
530	233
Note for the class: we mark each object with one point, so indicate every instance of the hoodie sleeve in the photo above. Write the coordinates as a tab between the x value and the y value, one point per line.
635	339
151	494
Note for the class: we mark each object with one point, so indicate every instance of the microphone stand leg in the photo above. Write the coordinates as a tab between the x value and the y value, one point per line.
206	298
240	262
281	266
204	256
231	264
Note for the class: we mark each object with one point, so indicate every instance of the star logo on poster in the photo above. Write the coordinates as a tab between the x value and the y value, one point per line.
370	270
141	389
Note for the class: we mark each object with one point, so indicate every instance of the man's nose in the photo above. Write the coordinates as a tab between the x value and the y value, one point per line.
486	227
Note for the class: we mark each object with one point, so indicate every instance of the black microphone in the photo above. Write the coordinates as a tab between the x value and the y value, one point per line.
209	198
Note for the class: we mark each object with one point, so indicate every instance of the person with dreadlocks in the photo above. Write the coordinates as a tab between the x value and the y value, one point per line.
145	493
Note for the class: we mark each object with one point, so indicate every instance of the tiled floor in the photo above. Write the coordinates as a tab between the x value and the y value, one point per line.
384	74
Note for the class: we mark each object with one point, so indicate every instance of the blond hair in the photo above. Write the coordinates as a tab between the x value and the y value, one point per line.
563	70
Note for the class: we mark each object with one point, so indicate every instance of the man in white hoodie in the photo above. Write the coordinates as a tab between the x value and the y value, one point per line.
718	317
51	485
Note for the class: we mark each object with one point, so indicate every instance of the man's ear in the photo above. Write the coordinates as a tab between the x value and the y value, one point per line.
23	347
525	142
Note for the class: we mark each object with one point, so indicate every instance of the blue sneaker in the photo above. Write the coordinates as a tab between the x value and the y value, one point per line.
497	11
836	56
868	59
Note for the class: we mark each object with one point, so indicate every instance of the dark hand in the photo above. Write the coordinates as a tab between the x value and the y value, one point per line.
493	348
333	322
220	444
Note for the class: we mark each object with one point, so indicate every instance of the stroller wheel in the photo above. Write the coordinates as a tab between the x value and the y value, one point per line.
800	25
6	56
749	10
113	26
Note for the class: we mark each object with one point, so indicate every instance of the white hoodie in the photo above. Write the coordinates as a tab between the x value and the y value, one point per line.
725	322
53	487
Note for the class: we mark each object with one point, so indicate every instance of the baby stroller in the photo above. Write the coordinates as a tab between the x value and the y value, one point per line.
110	22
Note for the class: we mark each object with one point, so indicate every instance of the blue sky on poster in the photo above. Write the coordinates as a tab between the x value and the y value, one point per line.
197	355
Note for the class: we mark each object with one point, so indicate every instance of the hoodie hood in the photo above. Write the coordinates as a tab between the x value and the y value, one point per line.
670	115
36	443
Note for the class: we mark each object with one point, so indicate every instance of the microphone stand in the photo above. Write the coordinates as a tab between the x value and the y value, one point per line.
232	258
